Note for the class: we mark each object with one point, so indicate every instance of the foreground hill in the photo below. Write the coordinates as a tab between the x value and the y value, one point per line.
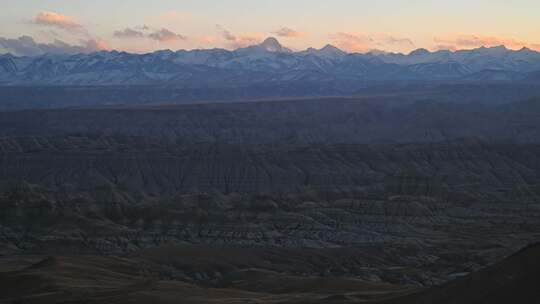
142	278
128	280
514	280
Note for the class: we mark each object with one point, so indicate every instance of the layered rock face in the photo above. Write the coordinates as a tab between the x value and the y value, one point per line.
156	168
441	208
436	190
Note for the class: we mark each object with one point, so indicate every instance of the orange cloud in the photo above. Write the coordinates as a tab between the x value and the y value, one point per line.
289	33
473	41
208	39
235	41
96	45
362	43
247	39
57	20
352	42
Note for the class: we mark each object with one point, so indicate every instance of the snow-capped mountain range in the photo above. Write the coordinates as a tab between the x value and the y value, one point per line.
267	62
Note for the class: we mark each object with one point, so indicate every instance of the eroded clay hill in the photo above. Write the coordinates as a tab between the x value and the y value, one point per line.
438	190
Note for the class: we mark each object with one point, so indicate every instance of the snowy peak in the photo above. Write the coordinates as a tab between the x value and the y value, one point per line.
496	51
419	52
267	61
270	45
329	52
7	56
526	50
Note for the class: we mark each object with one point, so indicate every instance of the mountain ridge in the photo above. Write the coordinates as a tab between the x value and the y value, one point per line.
267	62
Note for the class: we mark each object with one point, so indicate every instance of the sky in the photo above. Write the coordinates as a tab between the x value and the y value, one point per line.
33	26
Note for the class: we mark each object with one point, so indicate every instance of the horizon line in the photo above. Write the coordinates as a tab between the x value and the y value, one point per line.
288	50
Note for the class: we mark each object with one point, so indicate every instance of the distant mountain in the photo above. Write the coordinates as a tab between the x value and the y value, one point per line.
270	45
268	62
329	52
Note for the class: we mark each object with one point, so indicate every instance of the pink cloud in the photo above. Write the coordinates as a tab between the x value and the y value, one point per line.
208	39
361	43
96	45
352	42
289	33
247	39
173	15
474	41
235	41
57	20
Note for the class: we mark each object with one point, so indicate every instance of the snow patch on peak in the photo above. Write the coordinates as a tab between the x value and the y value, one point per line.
328	51
269	45
419	52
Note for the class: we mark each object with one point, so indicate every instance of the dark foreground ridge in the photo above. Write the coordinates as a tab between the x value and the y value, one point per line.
196	275
514	280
